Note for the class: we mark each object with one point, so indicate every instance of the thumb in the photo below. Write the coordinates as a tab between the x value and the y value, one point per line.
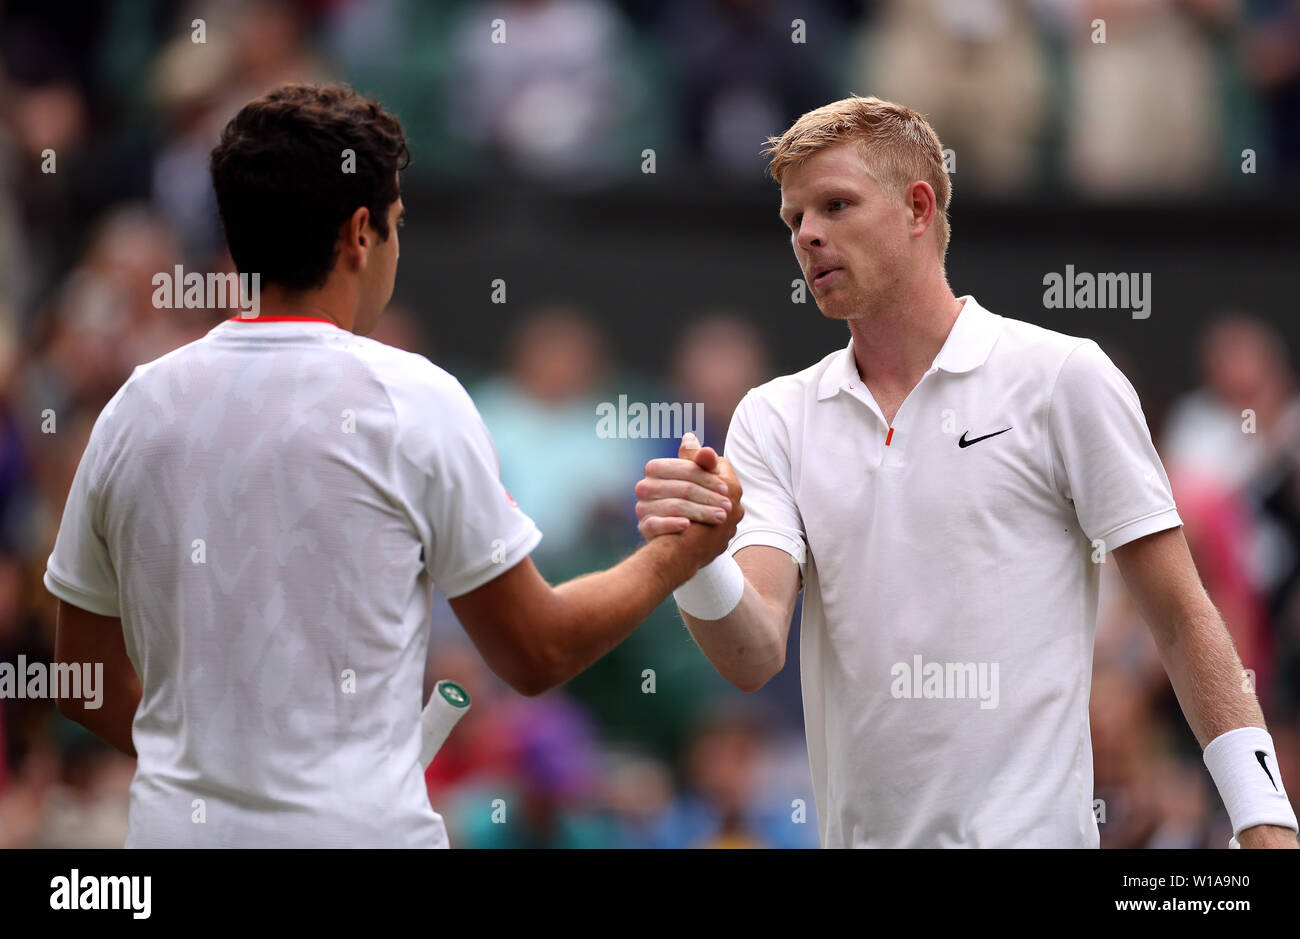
706	458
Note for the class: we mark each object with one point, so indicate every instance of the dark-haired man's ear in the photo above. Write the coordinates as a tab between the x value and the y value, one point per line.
356	235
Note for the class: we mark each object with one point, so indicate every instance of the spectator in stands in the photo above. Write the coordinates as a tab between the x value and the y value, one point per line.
1127	131
990	100
742	72
550	105
542	415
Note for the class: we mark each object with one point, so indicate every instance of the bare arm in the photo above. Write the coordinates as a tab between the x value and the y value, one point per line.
536	636
84	637
1195	647
747	646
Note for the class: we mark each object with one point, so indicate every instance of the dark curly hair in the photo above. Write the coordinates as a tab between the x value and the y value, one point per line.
282	192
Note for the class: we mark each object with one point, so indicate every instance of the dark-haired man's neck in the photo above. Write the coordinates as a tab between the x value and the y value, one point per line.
334	302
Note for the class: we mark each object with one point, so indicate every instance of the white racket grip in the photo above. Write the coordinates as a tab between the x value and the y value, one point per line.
447	705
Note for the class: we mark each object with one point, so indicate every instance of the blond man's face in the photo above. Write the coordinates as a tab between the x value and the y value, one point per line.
850	237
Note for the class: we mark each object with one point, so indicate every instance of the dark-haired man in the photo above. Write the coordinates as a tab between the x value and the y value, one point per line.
259	517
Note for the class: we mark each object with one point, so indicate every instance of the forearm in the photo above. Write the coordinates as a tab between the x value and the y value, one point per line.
1205	670
1209	681
592	614
747	646
1207	674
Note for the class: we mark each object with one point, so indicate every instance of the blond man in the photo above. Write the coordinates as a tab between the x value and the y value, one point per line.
944	490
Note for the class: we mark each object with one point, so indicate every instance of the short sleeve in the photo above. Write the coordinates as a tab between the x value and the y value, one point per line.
80	569
763	469
476	532
1102	457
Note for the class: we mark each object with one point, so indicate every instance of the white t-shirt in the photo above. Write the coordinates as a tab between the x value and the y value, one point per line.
950	586
267	510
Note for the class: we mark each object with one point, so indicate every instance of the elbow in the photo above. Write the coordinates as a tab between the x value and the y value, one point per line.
752	681
749	684
529	679
530	686
537	673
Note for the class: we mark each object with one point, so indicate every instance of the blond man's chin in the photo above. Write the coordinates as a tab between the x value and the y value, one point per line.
837	306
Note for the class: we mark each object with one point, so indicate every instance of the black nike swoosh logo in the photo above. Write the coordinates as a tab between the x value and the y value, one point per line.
964	443
1259	755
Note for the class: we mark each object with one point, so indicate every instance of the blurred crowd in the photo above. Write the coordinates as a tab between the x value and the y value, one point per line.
650	747
1110	98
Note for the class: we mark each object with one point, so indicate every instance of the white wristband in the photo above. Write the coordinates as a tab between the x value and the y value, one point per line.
714	591
1243	764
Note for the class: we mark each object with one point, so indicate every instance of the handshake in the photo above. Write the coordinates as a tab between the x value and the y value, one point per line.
696	497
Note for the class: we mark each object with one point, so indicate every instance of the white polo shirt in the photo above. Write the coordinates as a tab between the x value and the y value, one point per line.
950	591
267	510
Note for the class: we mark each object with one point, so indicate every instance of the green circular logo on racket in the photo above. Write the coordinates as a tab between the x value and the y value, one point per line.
453	694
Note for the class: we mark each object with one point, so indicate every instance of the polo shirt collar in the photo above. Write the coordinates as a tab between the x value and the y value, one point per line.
970	340
841	373
967	347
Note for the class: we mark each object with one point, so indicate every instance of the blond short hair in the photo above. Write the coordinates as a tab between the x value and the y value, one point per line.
897	145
